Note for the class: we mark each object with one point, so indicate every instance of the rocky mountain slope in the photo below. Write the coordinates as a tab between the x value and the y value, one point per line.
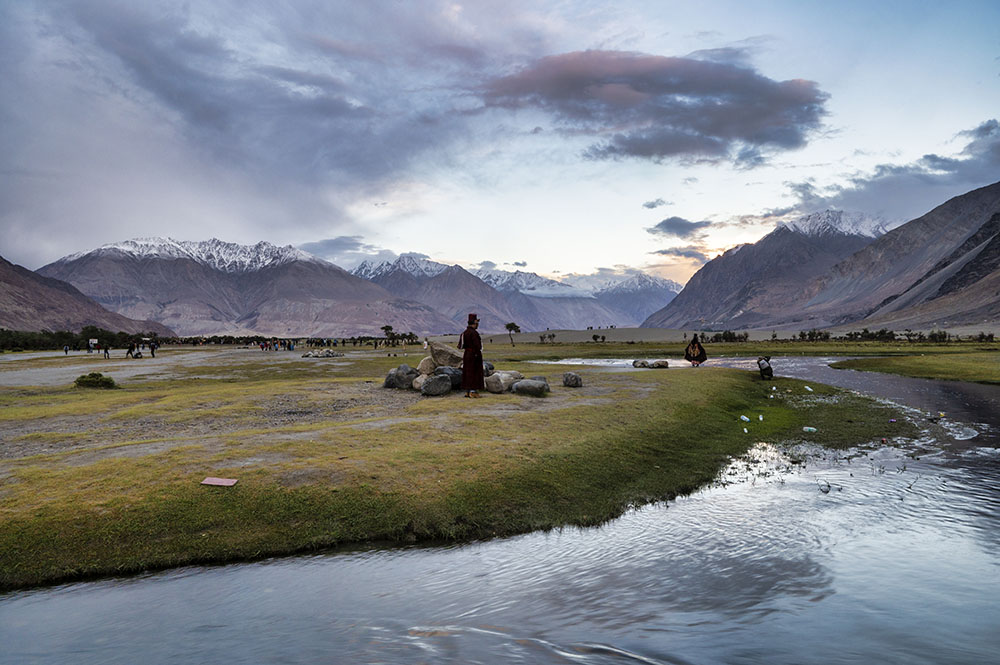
941	269
32	302
223	288
751	285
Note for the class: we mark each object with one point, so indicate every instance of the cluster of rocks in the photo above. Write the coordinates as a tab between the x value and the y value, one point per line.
651	364
440	373
325	353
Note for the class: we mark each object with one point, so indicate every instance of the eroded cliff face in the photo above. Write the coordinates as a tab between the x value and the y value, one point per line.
32	302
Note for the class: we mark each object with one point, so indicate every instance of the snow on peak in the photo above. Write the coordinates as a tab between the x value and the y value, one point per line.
838	221
415	264
529	283
640	281
224	256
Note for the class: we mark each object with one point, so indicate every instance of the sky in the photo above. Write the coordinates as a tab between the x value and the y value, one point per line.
573	139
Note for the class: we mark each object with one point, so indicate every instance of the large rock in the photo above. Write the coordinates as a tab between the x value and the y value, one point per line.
418	382
435	385
494	384
427	365
401	377
453	372
572	380
530	387
659	364
640	363
543	379
442	354
487	368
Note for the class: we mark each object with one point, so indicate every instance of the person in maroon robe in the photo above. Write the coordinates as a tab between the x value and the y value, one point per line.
473	379
695	352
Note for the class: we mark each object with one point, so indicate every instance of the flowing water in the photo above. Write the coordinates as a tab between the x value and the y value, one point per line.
890	556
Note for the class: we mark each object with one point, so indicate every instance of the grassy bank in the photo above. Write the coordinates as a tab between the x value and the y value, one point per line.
107	482
979	367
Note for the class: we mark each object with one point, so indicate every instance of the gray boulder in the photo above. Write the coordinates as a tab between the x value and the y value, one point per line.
530	387
572	380
418	382
541	378
659	364
640	363
442	354
453	373
426	366
488	368
436	385
494	384
401	378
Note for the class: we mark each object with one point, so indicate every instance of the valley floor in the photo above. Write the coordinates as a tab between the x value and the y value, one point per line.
106	482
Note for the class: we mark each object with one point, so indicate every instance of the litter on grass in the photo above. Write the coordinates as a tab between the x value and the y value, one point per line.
809	389
744	419
808	429
219	482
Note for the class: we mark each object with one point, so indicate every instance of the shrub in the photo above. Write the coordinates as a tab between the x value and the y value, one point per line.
95	380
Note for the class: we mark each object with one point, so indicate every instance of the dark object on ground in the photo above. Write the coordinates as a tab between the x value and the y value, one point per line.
435	385
695	353
488	368
572	380
401	377
530	387
453	372
95	380
764	363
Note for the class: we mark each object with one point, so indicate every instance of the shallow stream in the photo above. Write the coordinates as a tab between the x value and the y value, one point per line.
891	556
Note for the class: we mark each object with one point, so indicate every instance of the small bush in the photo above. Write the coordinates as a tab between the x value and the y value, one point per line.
95	380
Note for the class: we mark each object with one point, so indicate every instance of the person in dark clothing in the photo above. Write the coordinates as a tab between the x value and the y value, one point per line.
152	349
107	350
695	352
473	378
131	350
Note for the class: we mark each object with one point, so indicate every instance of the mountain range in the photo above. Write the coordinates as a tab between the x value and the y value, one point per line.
833	269
214	287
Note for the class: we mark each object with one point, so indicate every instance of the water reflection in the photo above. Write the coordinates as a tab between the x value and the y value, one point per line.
882	557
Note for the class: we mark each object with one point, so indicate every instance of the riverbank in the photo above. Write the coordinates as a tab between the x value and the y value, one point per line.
97	483
976	366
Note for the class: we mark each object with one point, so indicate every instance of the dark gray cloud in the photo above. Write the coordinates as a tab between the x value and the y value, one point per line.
347	251
487	265
656	107
655	203
678	227
521	264
906	191
690	252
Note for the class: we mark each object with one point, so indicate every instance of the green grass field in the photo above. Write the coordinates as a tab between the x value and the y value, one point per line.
96	483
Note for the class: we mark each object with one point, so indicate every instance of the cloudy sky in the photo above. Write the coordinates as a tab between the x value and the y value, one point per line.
564	138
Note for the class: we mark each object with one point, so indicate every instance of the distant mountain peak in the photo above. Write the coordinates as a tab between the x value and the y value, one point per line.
641	281
418	266
838	221
529	283
224	256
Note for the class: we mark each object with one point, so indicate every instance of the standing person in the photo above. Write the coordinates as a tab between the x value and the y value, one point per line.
152	349
695	352
107	351
131	350
473	379
66	349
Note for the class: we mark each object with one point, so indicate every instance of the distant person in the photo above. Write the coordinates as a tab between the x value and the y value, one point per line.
152	349
131	350
66	349
107	351
473	378
695	352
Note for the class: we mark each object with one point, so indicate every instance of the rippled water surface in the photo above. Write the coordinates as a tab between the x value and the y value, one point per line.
886	557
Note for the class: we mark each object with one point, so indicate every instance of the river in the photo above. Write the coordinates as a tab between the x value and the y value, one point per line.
892	556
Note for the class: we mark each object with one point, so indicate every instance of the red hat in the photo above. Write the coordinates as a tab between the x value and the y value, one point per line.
473	318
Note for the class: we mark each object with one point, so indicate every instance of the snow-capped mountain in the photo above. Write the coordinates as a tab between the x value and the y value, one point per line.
225	256
411	264
530	284
215	287
838	221
640	282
